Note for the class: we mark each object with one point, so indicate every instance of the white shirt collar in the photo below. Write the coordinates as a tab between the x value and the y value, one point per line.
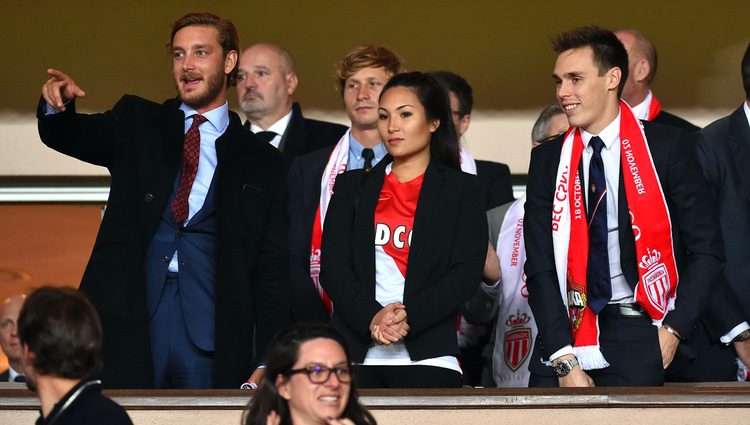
12	373
217	117
641	110
747	111
610	135
279	127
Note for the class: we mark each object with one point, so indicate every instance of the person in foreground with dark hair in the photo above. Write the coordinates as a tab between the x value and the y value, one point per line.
603	251
404	244
308	380
61	336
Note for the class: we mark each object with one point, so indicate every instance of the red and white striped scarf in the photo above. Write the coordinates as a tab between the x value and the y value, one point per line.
652	228
335	166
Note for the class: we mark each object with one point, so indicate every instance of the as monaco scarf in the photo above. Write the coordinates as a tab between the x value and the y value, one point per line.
516	328
335	166
657	273
653	109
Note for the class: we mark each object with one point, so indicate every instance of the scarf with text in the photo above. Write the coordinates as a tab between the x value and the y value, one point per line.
656	289
335	166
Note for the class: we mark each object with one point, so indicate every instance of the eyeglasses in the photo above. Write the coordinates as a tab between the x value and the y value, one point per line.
318	374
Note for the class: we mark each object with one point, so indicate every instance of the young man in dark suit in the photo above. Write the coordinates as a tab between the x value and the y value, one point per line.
602	314
266	83
641	73
188	269
724	153
360	78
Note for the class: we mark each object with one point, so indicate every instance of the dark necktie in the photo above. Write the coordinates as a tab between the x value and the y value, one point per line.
368	155
266	136
190	154
599	290
19	378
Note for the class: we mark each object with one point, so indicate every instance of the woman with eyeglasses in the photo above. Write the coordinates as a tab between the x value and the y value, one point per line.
404	245
307	380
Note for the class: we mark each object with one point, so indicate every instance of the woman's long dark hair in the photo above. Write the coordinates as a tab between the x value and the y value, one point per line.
282	354
434	99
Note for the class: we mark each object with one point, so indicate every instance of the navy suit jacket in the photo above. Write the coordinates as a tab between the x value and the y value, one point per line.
724	153
140	142
672	120
305	174
495	186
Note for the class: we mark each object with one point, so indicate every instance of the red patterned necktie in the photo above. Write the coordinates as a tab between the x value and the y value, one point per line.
190	154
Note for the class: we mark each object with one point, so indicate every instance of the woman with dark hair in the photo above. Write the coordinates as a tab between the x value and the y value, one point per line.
307	380
404	245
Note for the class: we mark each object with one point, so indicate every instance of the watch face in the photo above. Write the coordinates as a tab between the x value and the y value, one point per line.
562	368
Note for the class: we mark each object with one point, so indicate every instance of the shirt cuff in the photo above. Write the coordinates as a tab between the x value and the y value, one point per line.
51	110
491	288
568	349
727	338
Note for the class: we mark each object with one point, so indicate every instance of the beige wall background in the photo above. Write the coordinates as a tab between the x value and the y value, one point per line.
501	47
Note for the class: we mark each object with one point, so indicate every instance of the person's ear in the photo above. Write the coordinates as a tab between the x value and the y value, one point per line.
230	61
434	125
641	70
464	124
291	83
282	387
613	78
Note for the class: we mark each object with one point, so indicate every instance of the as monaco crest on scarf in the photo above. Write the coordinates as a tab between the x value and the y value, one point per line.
655	279
517	340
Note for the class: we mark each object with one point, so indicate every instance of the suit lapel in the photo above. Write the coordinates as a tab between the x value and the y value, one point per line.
427	207
294	138
626	237
364	212
739	143
172	125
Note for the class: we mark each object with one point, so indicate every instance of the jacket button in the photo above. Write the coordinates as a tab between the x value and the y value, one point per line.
148	198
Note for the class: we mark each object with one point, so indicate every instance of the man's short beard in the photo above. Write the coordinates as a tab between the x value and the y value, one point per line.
255	110
214	85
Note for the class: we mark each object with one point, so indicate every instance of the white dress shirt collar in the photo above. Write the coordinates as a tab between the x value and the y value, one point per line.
747	111
12	373
279	127
610	135
217	117
641	110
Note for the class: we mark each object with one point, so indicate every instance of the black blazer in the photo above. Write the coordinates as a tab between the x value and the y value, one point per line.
695	232
449	246
5	375
724	153
495	186
305	174
140	142
304	135
672	120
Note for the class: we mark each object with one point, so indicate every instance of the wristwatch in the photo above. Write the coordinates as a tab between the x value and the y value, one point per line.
563	367
742	336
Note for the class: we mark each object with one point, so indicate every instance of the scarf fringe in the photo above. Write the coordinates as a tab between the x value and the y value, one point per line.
590	357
